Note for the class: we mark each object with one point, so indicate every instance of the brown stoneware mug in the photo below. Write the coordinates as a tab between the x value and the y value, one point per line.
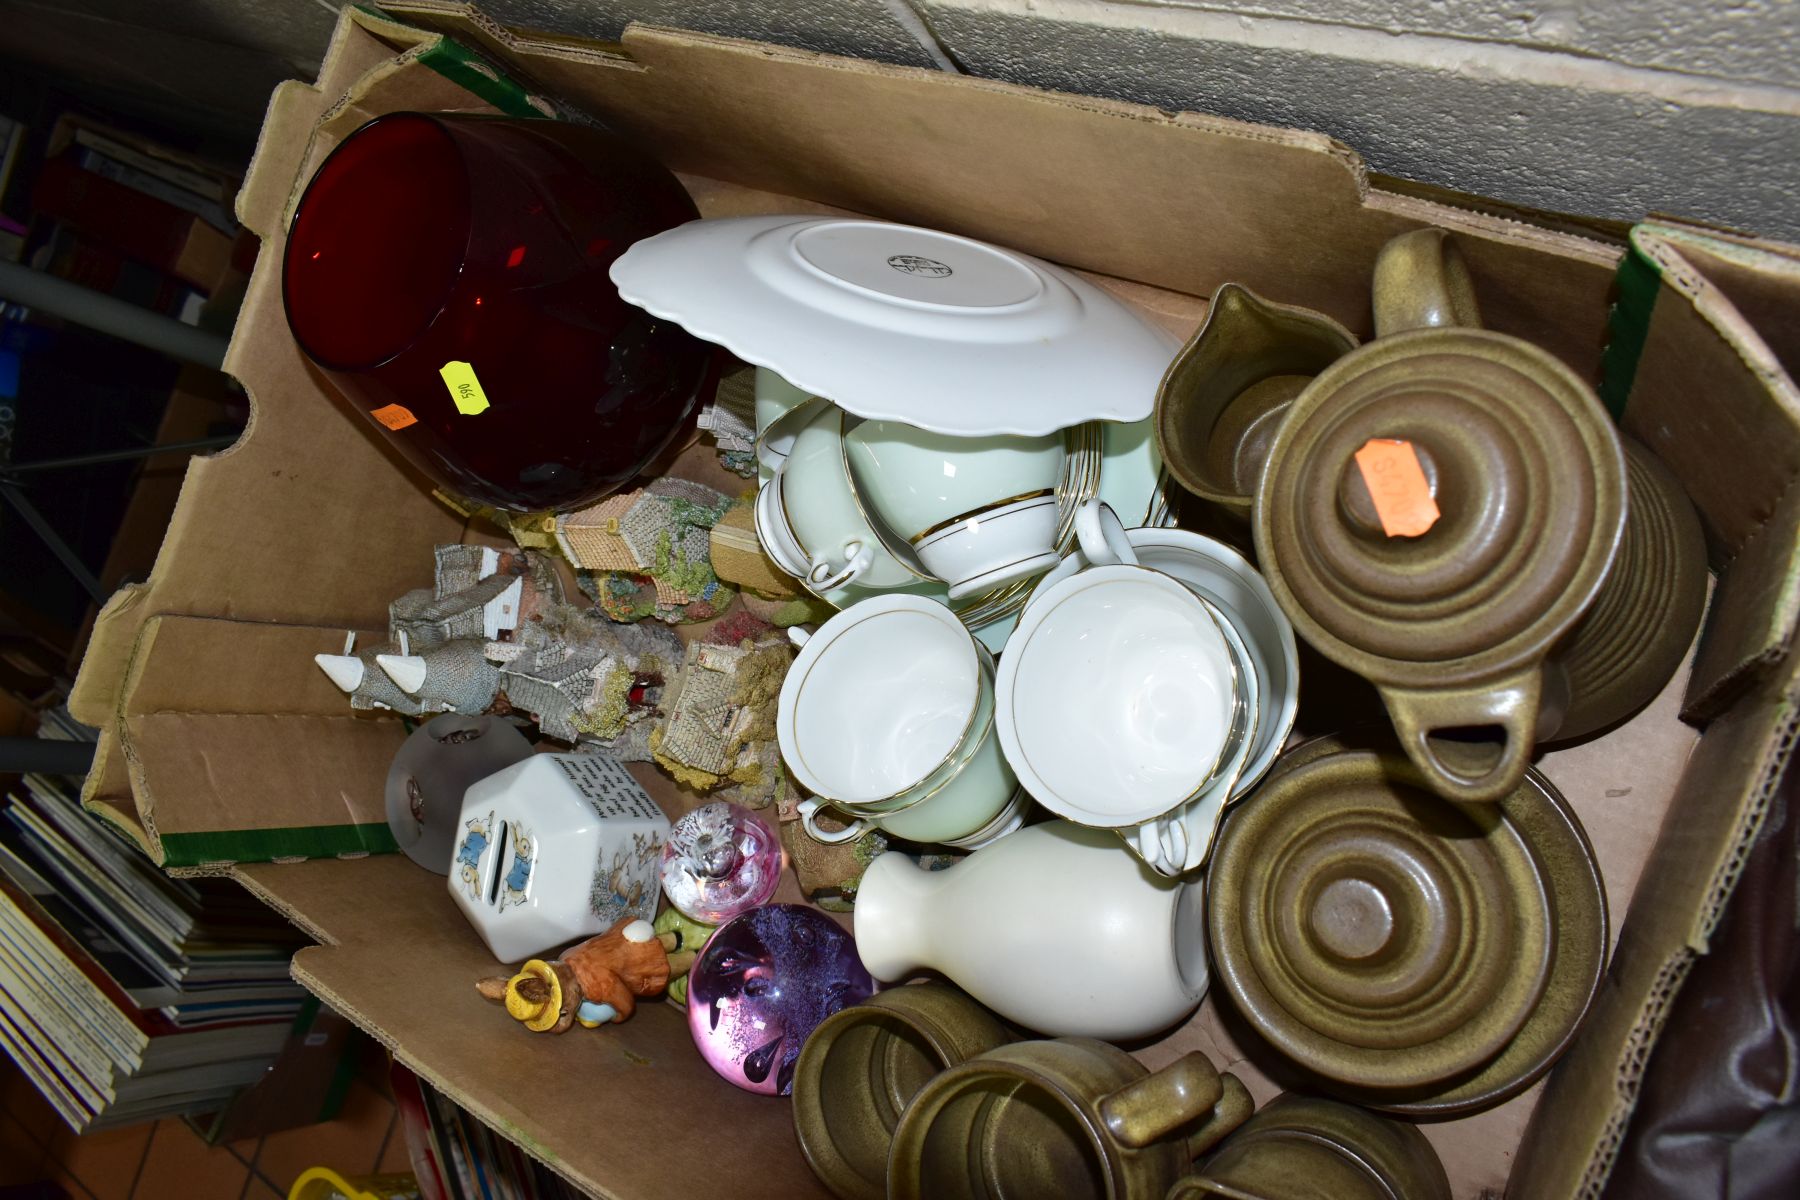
1072	1118
1299	1147
863	1065
1224	395
1440	509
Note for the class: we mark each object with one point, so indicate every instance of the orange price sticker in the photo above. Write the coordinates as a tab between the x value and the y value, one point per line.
395	416
1403	500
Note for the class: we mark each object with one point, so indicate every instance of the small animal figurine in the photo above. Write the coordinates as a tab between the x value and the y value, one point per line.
593	982
689	935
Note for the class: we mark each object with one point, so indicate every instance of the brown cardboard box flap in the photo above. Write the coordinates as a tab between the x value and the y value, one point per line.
96	692
1575	1132
212	711
205	665
250	787
308	524
1704	338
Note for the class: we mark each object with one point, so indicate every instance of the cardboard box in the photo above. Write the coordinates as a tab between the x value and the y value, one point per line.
223	746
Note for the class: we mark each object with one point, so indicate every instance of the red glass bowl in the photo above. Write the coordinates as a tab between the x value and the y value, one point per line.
448	274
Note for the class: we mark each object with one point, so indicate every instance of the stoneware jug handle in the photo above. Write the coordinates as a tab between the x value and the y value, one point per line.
1102	535
1469	771
1147	1111
809	810
1233	1109
1422	282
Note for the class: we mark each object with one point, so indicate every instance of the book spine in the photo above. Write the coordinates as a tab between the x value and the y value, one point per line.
134	224
182	177
158	188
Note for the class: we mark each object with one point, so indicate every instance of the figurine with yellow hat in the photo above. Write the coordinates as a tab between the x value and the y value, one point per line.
594	982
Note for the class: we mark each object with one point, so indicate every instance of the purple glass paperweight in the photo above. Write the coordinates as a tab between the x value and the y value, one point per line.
720	860
763	984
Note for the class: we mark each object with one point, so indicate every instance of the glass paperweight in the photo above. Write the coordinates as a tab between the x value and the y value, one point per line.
435	765
721	860
763	984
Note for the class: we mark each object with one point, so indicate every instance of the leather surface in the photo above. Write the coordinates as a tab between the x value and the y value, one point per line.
1719	1113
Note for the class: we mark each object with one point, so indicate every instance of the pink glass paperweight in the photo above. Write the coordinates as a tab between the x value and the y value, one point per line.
763	984
720	860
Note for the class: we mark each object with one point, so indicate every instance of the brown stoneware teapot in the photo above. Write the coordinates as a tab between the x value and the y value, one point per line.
1441	513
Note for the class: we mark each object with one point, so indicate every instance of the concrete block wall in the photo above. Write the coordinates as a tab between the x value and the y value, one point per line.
1608	108
1611	110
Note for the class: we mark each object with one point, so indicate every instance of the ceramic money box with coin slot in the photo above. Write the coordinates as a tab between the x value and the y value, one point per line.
554	849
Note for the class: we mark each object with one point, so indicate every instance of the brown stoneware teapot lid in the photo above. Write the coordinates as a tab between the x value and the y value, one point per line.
1497	503
1389	944
1392	944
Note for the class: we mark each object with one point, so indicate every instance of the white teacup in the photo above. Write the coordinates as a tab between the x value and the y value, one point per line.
887	714
1179	840
1117	692
1263	648
811	522
980	511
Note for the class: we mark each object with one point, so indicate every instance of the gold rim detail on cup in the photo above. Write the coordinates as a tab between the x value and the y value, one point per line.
972	514
1084	450
1212	768
957	756
984	668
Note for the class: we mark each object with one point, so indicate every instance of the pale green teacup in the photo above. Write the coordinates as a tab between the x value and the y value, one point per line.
980	511
812	523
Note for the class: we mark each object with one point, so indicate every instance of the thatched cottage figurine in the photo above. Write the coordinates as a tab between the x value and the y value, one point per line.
720	727
582	676
659	534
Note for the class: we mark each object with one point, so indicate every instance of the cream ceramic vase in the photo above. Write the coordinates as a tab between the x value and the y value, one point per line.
1054	927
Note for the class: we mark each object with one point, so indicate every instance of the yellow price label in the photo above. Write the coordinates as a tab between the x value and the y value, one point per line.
465	389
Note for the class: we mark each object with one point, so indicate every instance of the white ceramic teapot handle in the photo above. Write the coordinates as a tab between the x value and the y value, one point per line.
1102	536
859	557
809	809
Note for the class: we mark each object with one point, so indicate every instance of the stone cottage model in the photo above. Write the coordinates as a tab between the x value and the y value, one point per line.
433	661
661	533
720	727
479	592
582	676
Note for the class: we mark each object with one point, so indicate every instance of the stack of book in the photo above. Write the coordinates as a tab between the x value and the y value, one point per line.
125	994
122	214
456	1157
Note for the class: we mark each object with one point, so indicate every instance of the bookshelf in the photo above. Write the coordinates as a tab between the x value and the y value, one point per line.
142	219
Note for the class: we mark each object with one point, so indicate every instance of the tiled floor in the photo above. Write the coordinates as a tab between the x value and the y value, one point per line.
167	1159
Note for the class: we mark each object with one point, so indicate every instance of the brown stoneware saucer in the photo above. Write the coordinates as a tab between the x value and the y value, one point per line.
1415	955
